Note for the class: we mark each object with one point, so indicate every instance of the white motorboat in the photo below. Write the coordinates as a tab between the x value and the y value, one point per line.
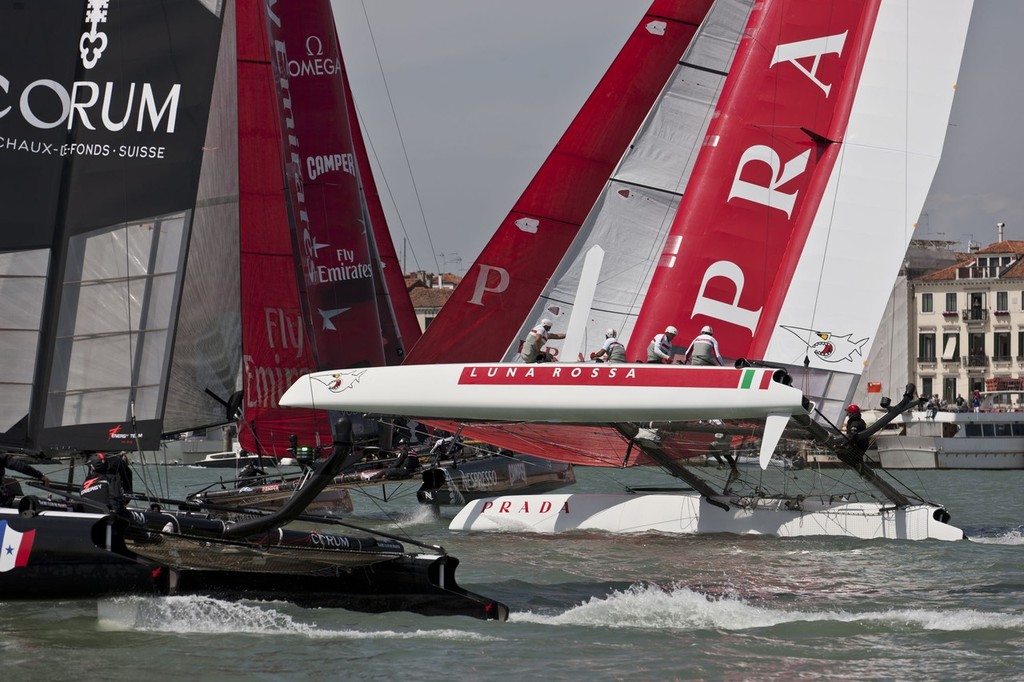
953	440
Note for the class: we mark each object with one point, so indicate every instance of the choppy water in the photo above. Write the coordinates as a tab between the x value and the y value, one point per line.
587	606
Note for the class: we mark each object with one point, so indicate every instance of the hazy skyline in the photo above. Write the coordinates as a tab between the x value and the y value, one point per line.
481	91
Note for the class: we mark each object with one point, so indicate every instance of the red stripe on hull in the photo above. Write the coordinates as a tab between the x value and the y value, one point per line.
553	375
25	548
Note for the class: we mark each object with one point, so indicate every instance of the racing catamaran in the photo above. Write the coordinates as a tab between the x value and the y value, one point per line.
782	169
132	185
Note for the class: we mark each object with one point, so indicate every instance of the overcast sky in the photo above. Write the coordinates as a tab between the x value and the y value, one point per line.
462	100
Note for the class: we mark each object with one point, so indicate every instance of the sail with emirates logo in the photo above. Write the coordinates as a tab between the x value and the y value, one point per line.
137	210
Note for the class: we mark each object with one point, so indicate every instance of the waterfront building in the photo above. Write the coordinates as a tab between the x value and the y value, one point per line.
966	323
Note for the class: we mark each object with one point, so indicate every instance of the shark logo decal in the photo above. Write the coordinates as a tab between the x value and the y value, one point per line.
828	346
341	381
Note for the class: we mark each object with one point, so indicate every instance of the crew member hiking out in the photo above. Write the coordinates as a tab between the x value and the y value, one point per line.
533	347
10	488
704	349
660	348
612	349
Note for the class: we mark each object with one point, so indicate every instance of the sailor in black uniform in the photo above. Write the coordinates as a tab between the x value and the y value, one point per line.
9	488
109	481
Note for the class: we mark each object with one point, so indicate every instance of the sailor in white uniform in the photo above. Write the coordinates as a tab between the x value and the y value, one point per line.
704	349
660	348
533	347
612	348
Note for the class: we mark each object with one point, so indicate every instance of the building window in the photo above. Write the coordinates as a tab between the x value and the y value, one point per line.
1002	302
1001	347
976	350
951	347
977	311
926	348
926	387
926	303
950	303
1020	345
949	389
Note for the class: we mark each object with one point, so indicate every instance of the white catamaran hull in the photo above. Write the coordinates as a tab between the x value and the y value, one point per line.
689	513
572	391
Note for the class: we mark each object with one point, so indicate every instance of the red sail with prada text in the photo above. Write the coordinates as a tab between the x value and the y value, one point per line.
767	157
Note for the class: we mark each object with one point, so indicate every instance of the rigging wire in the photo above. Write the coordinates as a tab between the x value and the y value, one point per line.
405	151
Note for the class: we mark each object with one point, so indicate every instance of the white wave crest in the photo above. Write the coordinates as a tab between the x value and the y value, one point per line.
650	607
196	614
1012	536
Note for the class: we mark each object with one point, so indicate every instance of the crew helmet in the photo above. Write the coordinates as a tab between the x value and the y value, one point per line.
98	462
706	329
671	330
853	409
546	323
610	333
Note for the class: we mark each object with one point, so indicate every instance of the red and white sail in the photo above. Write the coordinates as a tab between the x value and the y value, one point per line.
492	301
274	337
310	265
632	216
810	180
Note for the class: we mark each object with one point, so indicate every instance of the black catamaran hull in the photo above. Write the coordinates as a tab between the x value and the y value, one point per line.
422	584
475	479
455	480
70	555
65	555
333	501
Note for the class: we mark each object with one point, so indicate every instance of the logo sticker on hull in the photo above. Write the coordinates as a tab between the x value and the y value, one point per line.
341	381
15	547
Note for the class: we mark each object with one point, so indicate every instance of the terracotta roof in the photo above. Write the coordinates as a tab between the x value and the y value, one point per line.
962	259
416	279
1016	271
427	297
1006	246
